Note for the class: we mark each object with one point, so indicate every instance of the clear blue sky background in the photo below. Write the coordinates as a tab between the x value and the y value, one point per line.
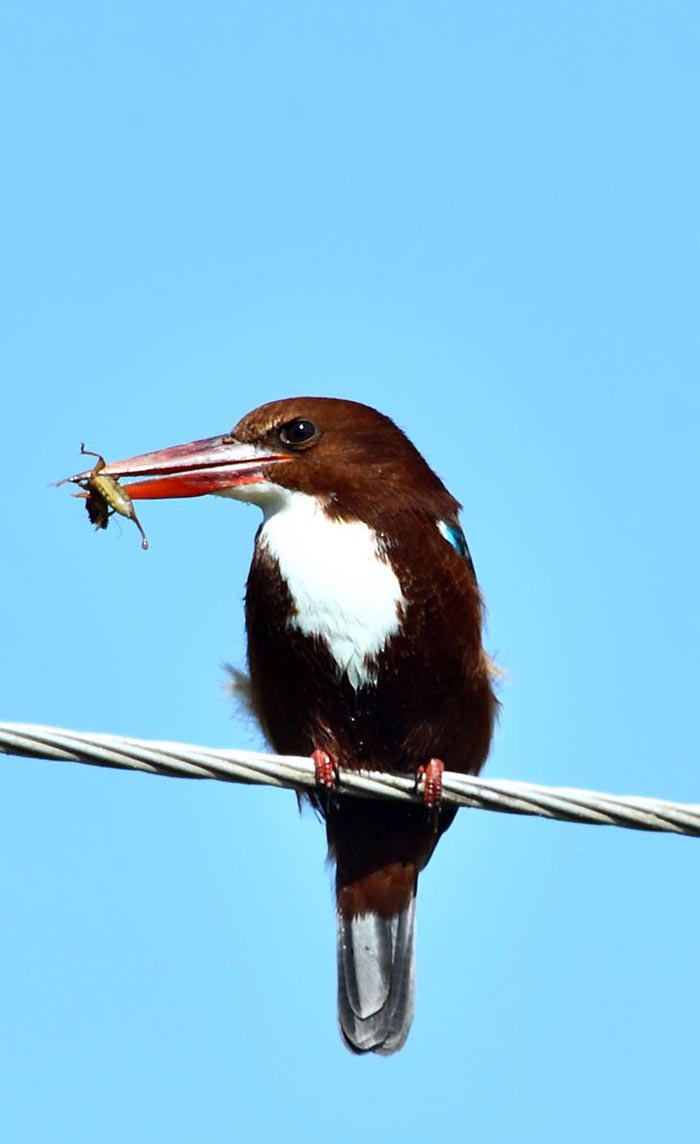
484	220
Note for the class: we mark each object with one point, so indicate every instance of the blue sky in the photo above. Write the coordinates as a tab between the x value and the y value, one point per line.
484	221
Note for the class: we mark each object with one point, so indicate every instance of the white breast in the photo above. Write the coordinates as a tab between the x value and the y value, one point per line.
343	587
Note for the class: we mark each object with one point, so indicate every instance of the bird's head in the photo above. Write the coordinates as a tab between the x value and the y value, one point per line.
354	460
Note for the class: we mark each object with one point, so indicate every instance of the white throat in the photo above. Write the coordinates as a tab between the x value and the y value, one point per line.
344	588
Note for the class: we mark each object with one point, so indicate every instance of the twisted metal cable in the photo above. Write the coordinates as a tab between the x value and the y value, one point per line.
182	760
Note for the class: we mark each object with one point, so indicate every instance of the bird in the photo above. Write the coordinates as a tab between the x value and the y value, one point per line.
364	623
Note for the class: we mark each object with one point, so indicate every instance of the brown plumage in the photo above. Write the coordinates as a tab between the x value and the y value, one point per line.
433	694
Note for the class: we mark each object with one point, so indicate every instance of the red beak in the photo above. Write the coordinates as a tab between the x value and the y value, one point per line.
206	466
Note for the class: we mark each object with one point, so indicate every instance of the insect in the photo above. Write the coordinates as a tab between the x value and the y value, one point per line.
104	496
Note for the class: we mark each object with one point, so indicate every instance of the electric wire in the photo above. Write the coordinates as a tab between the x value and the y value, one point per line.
184	760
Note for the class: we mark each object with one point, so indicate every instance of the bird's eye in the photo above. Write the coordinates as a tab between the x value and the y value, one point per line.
297	432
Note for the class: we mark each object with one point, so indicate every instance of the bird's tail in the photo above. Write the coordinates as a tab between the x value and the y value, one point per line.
376	978
379	850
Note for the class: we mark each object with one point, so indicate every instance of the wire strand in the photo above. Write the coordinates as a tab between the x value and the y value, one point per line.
184	760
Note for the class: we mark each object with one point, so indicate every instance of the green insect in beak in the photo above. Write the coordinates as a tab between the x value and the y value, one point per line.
104	496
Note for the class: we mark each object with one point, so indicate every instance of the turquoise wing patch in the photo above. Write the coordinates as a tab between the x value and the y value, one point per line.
452	531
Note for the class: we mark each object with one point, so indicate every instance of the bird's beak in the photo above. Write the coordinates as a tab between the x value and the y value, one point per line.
192	470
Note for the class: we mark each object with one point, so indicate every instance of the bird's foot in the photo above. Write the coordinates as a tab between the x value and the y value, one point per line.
327	777
325	770
430	777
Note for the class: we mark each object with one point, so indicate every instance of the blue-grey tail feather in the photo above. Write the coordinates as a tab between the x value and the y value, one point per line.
376	980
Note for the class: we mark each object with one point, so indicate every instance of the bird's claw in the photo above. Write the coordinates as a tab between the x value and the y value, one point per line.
430	777
325	770
327	776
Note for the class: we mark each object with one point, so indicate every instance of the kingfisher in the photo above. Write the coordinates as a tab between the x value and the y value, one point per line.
364	632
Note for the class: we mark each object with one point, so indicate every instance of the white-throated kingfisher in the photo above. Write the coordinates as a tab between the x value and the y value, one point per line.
364	622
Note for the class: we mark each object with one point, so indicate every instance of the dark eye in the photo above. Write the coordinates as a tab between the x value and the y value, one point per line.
297	432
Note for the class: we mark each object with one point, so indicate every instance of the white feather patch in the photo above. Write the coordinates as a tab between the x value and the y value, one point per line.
344	589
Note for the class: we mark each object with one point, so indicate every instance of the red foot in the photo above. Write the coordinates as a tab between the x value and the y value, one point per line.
325	770
431	774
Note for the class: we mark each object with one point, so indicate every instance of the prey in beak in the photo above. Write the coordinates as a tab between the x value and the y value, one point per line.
207	466
212	465
104	495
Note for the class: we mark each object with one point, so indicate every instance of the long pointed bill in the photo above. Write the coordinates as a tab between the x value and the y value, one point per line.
206	466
